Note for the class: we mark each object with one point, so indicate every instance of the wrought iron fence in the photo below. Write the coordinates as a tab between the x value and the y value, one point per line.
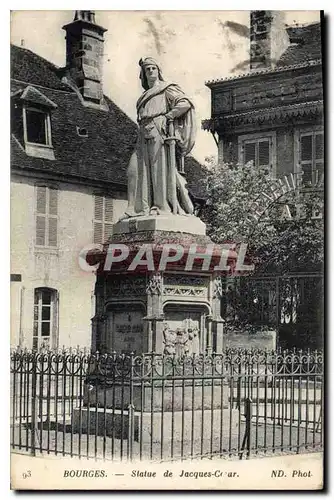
157	407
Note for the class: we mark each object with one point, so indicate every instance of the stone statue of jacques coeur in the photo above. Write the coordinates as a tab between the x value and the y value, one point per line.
166	119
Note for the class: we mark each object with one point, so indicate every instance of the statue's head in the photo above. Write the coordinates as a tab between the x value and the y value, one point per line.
150	71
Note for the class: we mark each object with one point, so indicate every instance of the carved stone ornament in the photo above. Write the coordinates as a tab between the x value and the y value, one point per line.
182	279
182	291
184	341
154	285
126	286
217	288
185	286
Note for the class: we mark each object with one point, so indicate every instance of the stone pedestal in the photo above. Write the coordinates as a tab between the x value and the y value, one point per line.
134	306
181	427
167	223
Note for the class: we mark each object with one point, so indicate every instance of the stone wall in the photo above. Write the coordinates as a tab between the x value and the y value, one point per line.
56	268
245	340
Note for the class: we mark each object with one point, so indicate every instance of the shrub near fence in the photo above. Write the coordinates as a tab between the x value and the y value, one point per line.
157	407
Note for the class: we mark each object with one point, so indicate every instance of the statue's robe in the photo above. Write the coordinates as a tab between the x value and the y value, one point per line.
149	180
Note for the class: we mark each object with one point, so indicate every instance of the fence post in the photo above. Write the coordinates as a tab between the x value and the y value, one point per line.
239	385
131	412
248	414
247	435
33	404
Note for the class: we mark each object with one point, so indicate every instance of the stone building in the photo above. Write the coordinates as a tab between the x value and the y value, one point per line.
70	147
272	115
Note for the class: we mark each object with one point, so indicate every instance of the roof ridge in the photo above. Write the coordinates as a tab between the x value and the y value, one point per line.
43	87
302	25
49	63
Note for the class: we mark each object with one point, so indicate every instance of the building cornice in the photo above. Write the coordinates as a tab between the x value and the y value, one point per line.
279	113
71	179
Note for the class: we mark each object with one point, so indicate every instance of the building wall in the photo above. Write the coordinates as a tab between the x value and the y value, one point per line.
56	268
286	147
259	92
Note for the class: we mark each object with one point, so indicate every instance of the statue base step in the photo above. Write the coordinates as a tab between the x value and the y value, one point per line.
169	223
188	426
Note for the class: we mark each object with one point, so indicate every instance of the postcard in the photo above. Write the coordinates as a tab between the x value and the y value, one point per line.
167	240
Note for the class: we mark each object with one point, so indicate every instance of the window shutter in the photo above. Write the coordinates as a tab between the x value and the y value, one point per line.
306	148
306	157
249	152
319	157
98	232
319	146
103	218
109	209
107	231
264	153
40	230
41	200
98	208
53	201
46	216
53	223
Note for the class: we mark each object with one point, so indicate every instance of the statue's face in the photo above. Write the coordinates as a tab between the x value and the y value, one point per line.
152	73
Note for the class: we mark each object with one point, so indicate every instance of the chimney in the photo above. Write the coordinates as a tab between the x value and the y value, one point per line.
268	38
84	55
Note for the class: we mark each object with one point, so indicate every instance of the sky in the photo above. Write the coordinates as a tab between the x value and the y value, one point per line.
191	46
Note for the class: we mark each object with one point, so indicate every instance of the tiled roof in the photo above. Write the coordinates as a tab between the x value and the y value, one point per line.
28	67
306	45
103	156
304	51
279	69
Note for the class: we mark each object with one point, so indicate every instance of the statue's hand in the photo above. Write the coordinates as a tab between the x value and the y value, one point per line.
169	117
164	127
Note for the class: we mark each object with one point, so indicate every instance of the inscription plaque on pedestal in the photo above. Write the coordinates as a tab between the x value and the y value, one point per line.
127	331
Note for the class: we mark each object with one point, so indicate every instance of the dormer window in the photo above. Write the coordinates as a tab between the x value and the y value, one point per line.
35	110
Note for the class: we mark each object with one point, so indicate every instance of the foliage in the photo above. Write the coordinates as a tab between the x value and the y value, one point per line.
276	242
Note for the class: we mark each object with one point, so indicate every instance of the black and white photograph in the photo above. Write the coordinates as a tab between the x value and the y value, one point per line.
167	249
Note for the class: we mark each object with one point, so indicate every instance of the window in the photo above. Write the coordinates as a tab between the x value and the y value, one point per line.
82	132
311	156
259	149
45	332
103	218
37	126
46	217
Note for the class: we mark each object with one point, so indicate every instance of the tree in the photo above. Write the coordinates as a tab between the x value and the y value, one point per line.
287	237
